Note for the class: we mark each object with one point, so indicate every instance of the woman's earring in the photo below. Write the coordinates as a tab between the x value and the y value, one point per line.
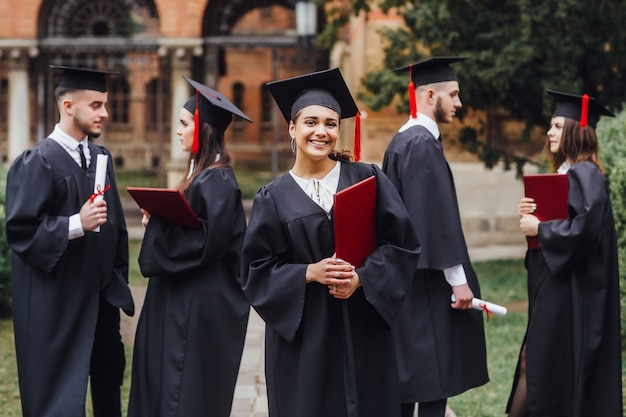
293	144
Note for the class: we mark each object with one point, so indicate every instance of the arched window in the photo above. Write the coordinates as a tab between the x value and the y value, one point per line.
155	103
267	107
238	96
119	99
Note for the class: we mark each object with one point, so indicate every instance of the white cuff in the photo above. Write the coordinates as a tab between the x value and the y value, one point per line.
75	228
455	275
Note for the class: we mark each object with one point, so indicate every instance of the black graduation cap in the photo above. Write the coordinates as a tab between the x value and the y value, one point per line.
211	107
432	70
324	88
83	78
584	109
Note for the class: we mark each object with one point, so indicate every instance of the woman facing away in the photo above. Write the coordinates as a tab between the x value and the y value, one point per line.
570	360
193	323
328	348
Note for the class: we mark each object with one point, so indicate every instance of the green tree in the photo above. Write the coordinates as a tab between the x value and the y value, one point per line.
517	49
612	137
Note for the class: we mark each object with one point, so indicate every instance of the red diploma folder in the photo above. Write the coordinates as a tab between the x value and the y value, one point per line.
355	221
166	204
550	194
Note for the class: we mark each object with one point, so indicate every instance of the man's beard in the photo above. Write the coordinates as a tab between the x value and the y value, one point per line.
440	114
86	129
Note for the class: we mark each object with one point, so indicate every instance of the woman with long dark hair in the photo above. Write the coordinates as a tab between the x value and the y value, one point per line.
570	360
192	326
328	348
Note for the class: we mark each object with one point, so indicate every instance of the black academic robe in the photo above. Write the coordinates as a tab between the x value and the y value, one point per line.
441	351
56	282
573	355
193	322
324	356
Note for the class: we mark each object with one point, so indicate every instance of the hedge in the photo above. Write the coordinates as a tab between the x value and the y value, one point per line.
612	137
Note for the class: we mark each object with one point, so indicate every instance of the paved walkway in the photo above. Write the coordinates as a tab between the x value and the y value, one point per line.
250	394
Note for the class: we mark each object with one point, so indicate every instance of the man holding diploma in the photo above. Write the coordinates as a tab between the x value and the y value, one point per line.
441	350
69	282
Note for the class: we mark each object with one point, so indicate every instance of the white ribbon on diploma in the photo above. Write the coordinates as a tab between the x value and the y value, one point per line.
101	176
486	306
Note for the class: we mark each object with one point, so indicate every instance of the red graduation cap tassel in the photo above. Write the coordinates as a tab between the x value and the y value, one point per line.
412	99
584	111
195	146
357	138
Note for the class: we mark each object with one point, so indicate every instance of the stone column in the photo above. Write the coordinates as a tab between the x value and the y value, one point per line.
19	136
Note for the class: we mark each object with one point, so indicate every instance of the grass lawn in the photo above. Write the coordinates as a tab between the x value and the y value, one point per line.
502	281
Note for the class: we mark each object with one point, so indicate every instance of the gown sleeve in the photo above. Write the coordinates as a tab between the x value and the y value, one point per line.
169	249
387	273
566	242
273	286
37	237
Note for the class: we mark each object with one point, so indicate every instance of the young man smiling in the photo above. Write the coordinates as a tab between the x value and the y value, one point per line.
70	261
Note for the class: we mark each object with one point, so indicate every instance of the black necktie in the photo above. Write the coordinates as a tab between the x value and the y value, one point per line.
83	160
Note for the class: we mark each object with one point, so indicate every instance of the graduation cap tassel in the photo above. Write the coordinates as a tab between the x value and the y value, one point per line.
357	138
584	112
195	147
412	99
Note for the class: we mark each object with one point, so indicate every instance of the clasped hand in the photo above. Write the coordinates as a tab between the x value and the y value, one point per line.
93	214
529	223
338	275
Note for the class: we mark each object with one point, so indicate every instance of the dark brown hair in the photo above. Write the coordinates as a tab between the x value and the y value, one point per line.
576	145
212	154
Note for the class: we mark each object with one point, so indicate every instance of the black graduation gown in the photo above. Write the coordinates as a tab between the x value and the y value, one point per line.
193	322
56	282
441	351
326	357
573	354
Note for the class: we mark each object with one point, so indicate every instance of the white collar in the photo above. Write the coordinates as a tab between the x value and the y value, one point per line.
565	166
65	139
321	191
422	120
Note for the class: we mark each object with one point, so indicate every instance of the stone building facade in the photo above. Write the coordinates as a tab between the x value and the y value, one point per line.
234	46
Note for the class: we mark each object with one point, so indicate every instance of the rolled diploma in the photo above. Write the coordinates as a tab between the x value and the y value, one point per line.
481	305
101	176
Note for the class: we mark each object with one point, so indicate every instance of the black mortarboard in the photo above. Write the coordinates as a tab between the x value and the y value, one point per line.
432	70
323	88
212	108
584	109
83	78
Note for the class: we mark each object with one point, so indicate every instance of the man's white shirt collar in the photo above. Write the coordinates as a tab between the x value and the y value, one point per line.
422	120
66	140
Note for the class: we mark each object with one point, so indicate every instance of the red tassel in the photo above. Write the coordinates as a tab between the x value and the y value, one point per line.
412	99
584	112
195	147
357	138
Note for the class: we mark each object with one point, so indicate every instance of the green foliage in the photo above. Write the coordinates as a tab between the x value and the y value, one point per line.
612	137
5	254
517	49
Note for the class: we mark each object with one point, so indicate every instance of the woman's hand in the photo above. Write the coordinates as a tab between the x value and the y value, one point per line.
529	225
338	275
526	206
146	218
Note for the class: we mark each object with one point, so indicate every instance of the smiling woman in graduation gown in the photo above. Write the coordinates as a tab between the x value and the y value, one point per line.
192	326
326	356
